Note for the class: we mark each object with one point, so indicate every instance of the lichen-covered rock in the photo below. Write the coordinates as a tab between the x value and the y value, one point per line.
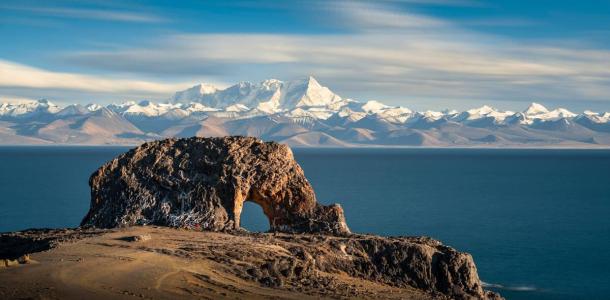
203	183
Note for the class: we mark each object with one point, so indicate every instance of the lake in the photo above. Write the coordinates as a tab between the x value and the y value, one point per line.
536	221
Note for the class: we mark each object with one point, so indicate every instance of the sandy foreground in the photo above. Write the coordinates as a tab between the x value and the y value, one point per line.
179	264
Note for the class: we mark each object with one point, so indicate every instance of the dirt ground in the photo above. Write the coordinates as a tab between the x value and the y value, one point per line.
179	264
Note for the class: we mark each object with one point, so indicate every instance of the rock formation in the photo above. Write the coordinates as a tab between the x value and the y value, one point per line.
203	183
319	266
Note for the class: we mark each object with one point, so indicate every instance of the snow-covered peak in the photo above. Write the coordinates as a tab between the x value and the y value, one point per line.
124	105
337	105
373	106
306	92
432	115
244	84
30	108
308	81
390	114
198	107
93	107
206	88
194	94
271	84
561	113
237	108
475	113
590	113
145	108
46	105
310	112
484	111
535	109
395	111
269	96
596	117
304	97
350	115
298	113
556	114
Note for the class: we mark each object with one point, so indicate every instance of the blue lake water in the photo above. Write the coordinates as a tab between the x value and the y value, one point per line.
536	221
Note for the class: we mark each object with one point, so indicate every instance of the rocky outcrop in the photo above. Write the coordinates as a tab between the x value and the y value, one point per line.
203	183
405	262
320	266
422	263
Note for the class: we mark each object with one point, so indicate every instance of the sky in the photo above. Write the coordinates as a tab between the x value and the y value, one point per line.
421	54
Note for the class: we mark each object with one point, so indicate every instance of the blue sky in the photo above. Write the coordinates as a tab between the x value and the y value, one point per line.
421	54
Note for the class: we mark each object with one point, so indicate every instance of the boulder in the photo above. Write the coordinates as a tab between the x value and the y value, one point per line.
203	183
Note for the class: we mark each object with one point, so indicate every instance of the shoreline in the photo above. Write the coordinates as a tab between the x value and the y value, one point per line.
497	147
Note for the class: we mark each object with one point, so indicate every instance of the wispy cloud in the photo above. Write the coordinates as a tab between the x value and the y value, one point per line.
13	99
90	13
420	57
366	16
16	78
385	50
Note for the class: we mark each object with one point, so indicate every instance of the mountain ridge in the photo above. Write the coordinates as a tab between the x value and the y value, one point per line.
301	113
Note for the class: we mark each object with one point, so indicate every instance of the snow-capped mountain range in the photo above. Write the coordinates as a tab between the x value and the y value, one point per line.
300	113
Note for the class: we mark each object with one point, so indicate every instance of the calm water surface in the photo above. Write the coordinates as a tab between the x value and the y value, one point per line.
536	221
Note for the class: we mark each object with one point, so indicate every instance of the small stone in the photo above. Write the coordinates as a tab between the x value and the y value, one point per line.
10	263
24	259
140	238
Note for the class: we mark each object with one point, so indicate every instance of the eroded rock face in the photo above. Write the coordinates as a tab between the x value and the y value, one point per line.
321	266
203	183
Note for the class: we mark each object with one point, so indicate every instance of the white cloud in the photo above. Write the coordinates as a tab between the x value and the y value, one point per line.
13	75
366	16
402	53
407	64
386	53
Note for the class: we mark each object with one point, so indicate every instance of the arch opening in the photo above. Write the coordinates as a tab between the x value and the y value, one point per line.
252	217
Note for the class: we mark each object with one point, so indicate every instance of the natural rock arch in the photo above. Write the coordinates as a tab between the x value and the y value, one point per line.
203	183
253	218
